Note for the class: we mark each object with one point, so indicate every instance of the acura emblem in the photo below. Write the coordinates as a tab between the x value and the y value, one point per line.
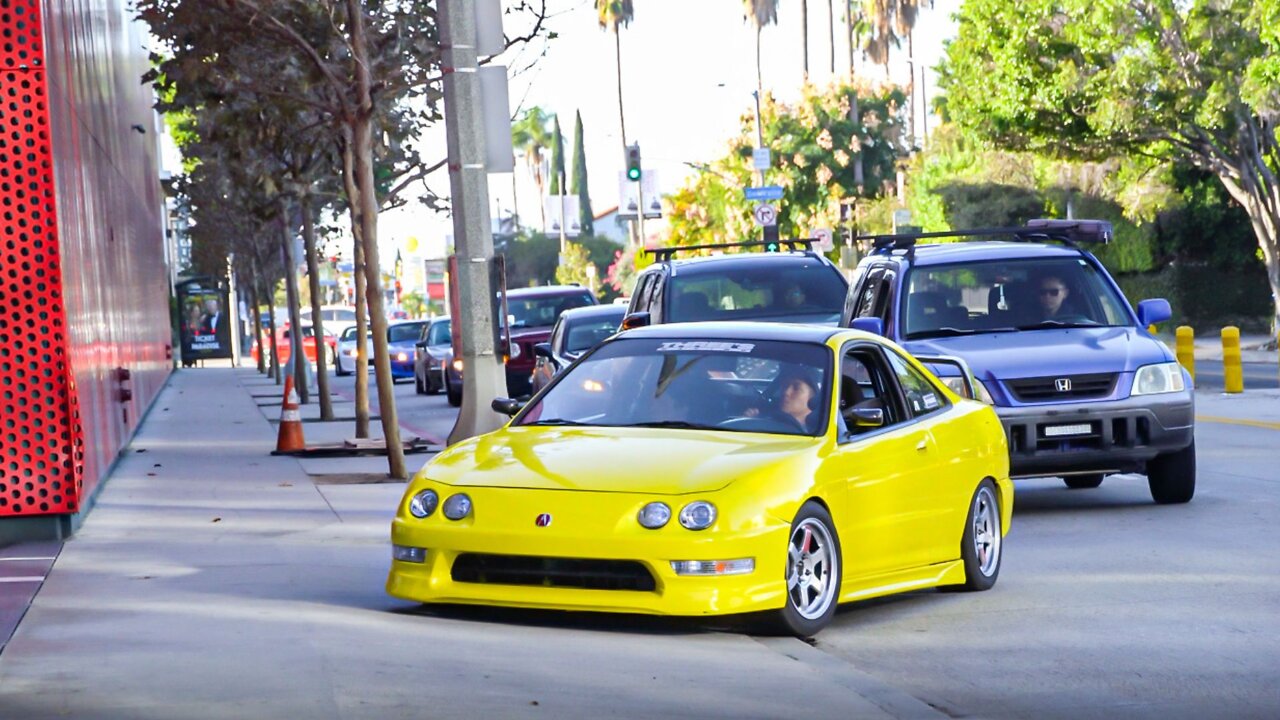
543	520
1063	384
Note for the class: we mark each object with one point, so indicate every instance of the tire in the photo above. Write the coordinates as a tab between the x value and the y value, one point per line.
337	368
1172	476
1083	482
454	394
418	389
431	387
813	572
982	545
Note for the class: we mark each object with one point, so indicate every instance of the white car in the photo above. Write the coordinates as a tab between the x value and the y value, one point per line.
336	318
345	362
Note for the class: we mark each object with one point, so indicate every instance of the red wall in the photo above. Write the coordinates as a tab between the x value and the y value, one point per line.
83	285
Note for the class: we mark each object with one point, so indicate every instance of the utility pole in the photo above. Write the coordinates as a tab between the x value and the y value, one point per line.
483	376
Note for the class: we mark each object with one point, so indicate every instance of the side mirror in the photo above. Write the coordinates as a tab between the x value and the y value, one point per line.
506	406
1153	311
635	320
872	325
422	344
866	417
543	350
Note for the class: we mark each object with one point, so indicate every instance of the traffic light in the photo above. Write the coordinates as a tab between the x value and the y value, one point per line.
633	162
773	246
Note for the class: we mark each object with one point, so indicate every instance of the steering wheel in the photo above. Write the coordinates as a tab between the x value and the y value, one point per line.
763	423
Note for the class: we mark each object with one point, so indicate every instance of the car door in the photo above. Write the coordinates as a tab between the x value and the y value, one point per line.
888	471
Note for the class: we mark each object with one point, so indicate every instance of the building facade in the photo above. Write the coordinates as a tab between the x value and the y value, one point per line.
85	339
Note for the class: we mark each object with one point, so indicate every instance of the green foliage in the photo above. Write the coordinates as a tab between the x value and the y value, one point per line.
815	144
573	269
557	159
578	185
533	259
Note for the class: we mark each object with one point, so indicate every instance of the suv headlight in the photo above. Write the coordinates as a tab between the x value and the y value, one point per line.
957	385
515	350
1160	378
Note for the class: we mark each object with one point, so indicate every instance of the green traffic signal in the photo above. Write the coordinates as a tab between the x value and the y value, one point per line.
633	162
771	247
633	174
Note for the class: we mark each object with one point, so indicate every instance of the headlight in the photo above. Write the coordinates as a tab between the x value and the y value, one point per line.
698	515
515	350
956	385
457	364
1161	378
457	506
424	503
402	357
984	395
655	515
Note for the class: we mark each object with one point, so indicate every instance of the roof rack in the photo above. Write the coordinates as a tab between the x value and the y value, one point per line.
1070	232
663	254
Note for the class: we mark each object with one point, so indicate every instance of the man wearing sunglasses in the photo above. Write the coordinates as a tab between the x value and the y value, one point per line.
1052	292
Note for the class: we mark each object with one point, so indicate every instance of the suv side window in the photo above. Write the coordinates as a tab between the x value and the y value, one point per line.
865	303
922	397
640	303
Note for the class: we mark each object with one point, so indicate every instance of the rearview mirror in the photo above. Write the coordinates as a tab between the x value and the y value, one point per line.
506	406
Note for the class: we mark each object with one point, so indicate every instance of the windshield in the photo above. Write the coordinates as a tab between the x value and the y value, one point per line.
803	291
406	332
745	386
439	334
1007	295
542	311
582	335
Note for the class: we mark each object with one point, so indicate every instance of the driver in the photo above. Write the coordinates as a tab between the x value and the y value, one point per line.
1052	293
795	397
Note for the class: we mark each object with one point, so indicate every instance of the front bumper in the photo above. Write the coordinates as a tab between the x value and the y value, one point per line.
588	526
1123	434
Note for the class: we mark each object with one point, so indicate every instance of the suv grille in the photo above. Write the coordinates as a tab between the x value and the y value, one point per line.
553	572
1081	387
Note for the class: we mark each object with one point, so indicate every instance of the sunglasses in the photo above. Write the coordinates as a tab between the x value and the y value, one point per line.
1051	292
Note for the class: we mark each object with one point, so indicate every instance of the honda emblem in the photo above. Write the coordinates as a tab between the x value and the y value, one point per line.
543	520
1063	384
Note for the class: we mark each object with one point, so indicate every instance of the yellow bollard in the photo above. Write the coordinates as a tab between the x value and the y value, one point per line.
1186	350
1151	329
1232	373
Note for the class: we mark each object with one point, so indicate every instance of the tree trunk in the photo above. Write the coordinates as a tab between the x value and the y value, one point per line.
759	77
362	157
848	28
831	34
317	321
298	358
275	329
622	118
804	35
362	302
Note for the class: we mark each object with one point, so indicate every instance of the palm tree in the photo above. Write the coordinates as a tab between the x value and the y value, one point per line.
804	35
761	13
530	136
615	15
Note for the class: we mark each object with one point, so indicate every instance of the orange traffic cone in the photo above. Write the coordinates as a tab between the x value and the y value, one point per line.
290	437
288	388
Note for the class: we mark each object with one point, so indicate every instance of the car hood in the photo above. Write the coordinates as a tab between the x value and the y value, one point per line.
1037	353
658	461
532	335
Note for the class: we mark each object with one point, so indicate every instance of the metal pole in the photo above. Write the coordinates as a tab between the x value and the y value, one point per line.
759	136
483	377
564	242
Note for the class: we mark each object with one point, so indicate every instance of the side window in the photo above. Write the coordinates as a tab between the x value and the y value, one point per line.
866	383
884	298
557	335
867	295
656	298
640	302
922	397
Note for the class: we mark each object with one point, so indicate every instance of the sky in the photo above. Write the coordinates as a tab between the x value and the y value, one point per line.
688	74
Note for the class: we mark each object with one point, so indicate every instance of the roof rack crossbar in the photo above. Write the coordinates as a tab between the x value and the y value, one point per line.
663	254
1069	232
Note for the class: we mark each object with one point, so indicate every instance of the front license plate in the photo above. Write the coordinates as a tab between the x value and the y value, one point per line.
1067	430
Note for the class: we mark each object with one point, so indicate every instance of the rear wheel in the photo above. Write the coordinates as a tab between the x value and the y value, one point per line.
337	367
454	394
813	572
1172	476
1083	482
983	541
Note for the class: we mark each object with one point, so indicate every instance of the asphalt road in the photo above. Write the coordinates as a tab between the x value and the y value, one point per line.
1108	605
1257	376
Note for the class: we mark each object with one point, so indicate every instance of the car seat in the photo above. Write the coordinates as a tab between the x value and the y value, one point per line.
926	311
692	306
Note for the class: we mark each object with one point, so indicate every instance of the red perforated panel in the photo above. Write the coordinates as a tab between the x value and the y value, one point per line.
37	475
20	41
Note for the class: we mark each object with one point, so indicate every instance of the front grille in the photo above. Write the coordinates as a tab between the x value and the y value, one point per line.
1082	387
553	572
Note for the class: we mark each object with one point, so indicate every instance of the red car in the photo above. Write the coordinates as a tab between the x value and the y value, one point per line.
308	344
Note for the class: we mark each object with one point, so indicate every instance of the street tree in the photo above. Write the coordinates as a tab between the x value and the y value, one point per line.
557	159
615	15
578	183
760	13
532	139
1197	81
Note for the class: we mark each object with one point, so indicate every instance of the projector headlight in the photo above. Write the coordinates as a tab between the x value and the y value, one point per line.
698	515
655	515
424	503
457	506
1156	379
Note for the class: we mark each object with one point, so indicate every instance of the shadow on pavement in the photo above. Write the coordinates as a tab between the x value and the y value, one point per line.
565	619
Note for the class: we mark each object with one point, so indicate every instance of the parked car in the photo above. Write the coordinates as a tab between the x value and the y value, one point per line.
711	469
1082	387
336	318
796	286
431	351
344	362
575	332
533	312
286	348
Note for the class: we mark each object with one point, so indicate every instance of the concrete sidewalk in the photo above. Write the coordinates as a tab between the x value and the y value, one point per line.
213	580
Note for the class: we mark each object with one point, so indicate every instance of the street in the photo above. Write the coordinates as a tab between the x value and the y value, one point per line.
1257	375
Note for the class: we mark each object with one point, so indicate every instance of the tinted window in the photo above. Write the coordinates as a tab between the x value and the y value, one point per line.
349	334
407	332
439	334
805	290
1009	295
586	334
542	311
748	386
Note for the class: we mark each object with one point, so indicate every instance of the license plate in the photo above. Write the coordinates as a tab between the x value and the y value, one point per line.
1067	430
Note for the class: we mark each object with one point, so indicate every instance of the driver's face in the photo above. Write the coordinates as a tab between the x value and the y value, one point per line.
795	399
1052	293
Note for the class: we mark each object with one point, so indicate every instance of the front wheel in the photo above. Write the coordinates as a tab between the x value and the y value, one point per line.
1172	476
982	544
453	394
813	572
418	386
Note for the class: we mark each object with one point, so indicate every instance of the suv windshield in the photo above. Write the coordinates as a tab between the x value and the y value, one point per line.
1006	295
542	310
806	290
747	386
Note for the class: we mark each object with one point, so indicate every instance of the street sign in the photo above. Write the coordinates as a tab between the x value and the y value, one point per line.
824	238
760	159
766	215
562	209
768	192
629	196
900	218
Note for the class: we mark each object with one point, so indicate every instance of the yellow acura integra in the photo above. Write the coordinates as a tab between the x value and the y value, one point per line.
715	468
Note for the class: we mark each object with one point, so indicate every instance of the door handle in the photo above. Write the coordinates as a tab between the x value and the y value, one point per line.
923	445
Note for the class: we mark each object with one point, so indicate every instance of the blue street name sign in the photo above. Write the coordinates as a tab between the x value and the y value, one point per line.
768	192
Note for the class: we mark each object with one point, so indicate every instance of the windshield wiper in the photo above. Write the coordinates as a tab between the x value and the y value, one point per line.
671	424
951	332
558	421
1057	324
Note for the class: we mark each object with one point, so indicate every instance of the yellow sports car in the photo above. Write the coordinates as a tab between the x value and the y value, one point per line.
715	468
